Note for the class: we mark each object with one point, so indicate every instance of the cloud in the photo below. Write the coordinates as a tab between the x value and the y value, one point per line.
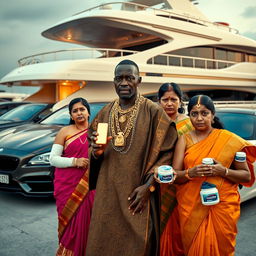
249	12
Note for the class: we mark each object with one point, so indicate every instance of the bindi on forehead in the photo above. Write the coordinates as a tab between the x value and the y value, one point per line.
201	107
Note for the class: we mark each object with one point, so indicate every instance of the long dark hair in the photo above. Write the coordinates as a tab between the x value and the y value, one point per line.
175	87
73	102
208	103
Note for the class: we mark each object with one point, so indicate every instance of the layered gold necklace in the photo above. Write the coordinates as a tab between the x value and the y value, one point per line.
123	118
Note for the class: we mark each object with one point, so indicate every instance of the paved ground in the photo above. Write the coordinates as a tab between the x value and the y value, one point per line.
28	227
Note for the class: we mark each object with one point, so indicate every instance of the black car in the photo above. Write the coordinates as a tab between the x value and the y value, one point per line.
25	150
27	113
8	105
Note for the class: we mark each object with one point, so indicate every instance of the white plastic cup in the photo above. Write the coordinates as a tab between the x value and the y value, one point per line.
240	156
165	173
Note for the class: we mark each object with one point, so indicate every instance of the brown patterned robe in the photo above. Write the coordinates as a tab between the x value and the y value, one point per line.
114	231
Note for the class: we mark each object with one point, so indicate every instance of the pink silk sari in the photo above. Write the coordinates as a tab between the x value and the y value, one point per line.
74	238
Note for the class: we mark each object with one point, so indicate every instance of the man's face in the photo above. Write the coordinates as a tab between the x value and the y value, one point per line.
126	81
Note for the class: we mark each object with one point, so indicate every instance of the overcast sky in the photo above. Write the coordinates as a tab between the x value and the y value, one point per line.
22	21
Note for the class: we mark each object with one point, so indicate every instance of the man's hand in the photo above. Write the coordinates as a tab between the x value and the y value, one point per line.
98	149
138	199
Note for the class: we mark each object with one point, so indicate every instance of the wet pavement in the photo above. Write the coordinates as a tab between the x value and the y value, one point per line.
28	227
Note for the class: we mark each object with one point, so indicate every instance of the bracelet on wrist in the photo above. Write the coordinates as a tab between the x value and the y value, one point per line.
150	186
187	174
226	171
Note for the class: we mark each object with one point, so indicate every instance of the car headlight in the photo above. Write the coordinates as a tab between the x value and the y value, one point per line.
40	159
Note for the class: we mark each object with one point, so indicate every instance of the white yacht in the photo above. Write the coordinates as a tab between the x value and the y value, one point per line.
170	40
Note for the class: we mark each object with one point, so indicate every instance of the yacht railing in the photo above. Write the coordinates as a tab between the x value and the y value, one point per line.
134	7
188	61
86	53
74	54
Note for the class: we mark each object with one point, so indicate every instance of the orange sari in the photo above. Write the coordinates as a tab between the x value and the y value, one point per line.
211	230
170	242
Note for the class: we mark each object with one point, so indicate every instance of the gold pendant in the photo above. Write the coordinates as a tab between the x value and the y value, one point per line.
119	140
122	119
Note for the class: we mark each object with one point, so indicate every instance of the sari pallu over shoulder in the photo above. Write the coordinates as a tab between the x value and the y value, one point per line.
168	193
199	222
170	243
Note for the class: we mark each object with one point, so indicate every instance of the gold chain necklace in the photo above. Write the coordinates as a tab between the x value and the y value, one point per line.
123	113
120	136
83	142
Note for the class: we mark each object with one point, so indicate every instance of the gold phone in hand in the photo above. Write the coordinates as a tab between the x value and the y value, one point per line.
102	131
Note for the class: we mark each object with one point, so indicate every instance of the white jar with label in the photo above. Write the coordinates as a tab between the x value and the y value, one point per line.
209	194
208	161
165	173
240	156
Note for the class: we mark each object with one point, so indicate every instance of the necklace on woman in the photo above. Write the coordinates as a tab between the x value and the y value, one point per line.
83	129
197	138
83	142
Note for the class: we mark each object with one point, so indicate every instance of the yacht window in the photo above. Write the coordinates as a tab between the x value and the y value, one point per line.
202	52
202	57
235	56
251	58
210	64
146	46
221	64
174	61
220	54
187	62
200	64
161	60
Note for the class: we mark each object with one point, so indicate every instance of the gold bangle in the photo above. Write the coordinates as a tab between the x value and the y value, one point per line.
187	175
226	171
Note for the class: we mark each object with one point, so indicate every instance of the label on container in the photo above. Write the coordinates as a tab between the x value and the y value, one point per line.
210	197
240	156
165	173
207	161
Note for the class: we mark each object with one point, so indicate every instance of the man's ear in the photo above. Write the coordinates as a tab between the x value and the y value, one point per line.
140	79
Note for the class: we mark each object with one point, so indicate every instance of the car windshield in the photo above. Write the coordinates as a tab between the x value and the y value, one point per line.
22	113
62	117
241	124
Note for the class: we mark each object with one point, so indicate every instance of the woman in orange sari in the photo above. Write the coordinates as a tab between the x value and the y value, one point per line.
210	229
73	199
170	98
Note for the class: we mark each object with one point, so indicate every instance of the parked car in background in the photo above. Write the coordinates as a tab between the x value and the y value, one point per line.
26	113
243	123
25	150
6	106
12	96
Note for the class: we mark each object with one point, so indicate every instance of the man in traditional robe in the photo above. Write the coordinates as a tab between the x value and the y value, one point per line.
125	217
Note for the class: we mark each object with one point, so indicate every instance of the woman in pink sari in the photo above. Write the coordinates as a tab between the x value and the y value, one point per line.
73	199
